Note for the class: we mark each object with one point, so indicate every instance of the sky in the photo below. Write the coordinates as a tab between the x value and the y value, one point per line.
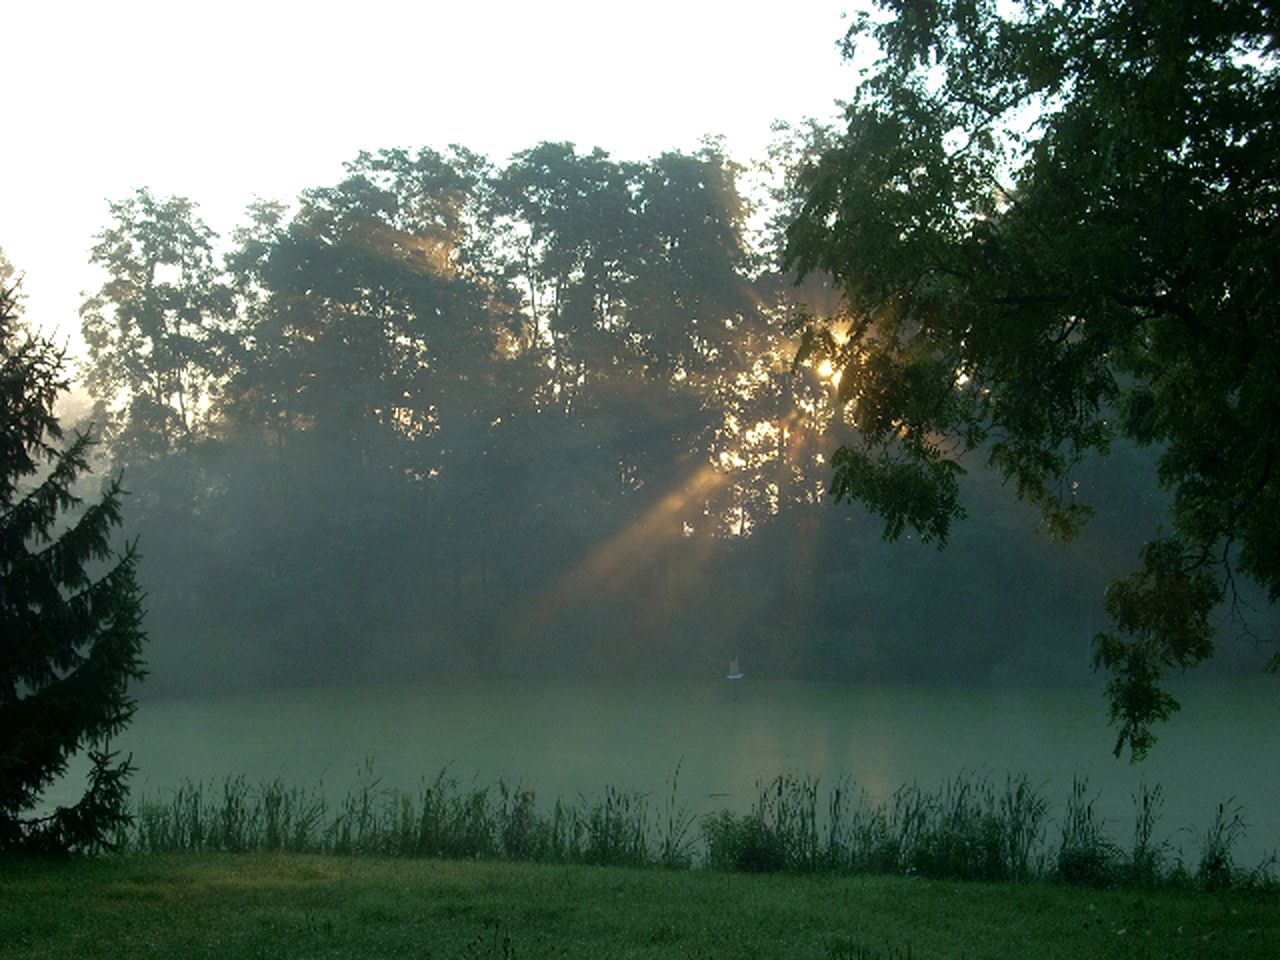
226	102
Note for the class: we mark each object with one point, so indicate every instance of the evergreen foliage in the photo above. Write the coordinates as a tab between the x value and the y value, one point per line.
70	612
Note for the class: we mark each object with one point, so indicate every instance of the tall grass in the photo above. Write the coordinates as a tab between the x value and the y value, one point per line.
1147	859
1086	856
969	828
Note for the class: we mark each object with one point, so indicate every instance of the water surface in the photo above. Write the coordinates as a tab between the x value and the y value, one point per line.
575	737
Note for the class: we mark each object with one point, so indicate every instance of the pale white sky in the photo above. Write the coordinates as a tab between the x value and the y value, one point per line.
222	102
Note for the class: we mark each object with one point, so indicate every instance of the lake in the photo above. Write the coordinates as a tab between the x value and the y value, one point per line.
565	738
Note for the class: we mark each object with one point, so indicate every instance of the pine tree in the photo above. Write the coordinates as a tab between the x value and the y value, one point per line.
70	611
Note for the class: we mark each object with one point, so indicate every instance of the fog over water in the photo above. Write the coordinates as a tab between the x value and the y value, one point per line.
531	441
465	430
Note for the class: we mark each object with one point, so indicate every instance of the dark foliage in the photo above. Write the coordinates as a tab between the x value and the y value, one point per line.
1054	226
70	612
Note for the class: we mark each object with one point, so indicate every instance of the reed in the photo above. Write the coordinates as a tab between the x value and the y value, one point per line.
1086	856
969	828
1148	859
676	837
1217	869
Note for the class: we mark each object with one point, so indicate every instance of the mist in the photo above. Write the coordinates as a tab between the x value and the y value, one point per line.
446	418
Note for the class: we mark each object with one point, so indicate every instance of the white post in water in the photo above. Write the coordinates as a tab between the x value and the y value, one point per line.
735	674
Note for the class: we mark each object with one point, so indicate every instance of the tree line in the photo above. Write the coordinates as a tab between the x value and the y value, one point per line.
446	416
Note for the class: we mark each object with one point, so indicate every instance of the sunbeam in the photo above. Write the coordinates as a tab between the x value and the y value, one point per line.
634	548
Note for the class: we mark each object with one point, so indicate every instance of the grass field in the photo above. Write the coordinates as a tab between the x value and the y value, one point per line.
262	906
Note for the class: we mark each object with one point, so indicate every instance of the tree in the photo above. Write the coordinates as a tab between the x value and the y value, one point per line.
70	612
1053	228
155	329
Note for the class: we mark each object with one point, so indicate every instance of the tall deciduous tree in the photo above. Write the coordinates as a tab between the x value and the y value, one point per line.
1055	225
70	612
155	330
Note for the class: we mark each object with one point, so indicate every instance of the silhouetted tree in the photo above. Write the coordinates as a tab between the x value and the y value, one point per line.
70	612
1054	226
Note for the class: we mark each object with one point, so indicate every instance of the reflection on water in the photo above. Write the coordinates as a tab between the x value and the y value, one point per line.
565	738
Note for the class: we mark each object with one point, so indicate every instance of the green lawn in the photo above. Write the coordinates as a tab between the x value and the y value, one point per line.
231	906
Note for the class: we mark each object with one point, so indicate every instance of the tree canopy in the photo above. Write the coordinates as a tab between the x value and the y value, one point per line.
1055	226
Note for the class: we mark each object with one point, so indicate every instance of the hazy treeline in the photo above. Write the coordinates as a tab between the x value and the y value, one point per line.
447	416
